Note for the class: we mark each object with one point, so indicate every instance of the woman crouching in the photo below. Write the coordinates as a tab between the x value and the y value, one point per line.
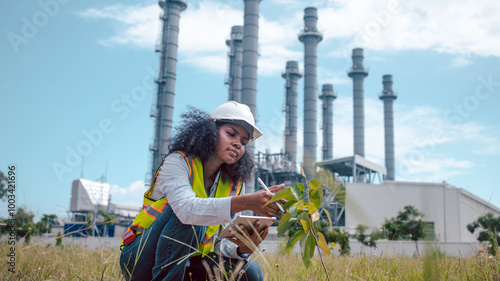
199	187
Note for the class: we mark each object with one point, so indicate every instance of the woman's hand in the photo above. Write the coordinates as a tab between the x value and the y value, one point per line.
248	243
256	202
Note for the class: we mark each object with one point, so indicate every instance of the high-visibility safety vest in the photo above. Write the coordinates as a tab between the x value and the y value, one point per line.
153	208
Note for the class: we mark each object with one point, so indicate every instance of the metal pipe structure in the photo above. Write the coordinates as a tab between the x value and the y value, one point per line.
388	96
327	97
250	54
235	55
292	76
310	37
358	74
249	65
166	78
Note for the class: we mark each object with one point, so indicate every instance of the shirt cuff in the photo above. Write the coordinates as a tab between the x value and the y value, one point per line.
233	251
224	210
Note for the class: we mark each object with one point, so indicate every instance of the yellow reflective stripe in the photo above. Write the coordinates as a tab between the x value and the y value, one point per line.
230	188
240	184
159	210
207	240
190	166
138	229
150	190
150	211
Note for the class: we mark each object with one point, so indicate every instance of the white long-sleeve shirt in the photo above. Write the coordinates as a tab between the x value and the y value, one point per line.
173	184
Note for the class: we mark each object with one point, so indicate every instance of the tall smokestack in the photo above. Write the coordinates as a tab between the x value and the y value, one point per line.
310	37
250	54
249	66
292	76
166	78
358	74
235	54
388	96
327	97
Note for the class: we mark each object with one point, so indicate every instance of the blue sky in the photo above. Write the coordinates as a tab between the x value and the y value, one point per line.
77	78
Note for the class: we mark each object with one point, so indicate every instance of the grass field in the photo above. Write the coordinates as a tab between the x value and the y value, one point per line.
44	262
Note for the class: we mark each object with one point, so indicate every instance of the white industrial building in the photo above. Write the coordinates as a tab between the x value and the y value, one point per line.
90	196
447	208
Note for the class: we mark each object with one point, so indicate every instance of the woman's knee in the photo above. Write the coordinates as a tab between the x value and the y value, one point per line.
252	271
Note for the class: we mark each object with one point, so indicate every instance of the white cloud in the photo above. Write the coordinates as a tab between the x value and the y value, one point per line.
131	195
327	76
137	25
460	62
463	27
437	168
423	136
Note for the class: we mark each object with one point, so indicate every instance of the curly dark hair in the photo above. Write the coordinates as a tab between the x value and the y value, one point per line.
197	134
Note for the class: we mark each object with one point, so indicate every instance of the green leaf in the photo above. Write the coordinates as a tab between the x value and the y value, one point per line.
329	216
293	240
305	225
282	194
301	187
322	243
303	216
312	208
314	184
284	228
293	210
309	248
316	187
295	190
315	198
332	244
284	218
288	204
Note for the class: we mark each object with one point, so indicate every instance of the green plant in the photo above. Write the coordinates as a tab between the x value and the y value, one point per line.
365	239
489	227
406	225
59	239
303	205
335	236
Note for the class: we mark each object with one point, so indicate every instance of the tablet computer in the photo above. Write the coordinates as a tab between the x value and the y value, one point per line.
248	222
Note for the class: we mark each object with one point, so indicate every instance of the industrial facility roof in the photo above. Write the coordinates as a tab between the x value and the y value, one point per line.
352	165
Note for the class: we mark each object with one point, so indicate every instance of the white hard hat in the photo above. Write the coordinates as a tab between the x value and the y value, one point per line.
237	113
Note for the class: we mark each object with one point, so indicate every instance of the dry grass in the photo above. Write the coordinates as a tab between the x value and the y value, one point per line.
79	263
46	262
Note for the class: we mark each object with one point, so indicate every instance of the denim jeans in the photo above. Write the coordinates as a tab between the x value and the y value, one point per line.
152	256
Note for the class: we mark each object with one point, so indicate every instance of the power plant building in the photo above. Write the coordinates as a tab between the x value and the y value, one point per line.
372	192
89	196
447	210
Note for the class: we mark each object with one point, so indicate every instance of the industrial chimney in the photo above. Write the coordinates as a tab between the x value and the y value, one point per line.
166	79
358	74
310	37
250	54
249	66
327	97
235	55
292	76
388	96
